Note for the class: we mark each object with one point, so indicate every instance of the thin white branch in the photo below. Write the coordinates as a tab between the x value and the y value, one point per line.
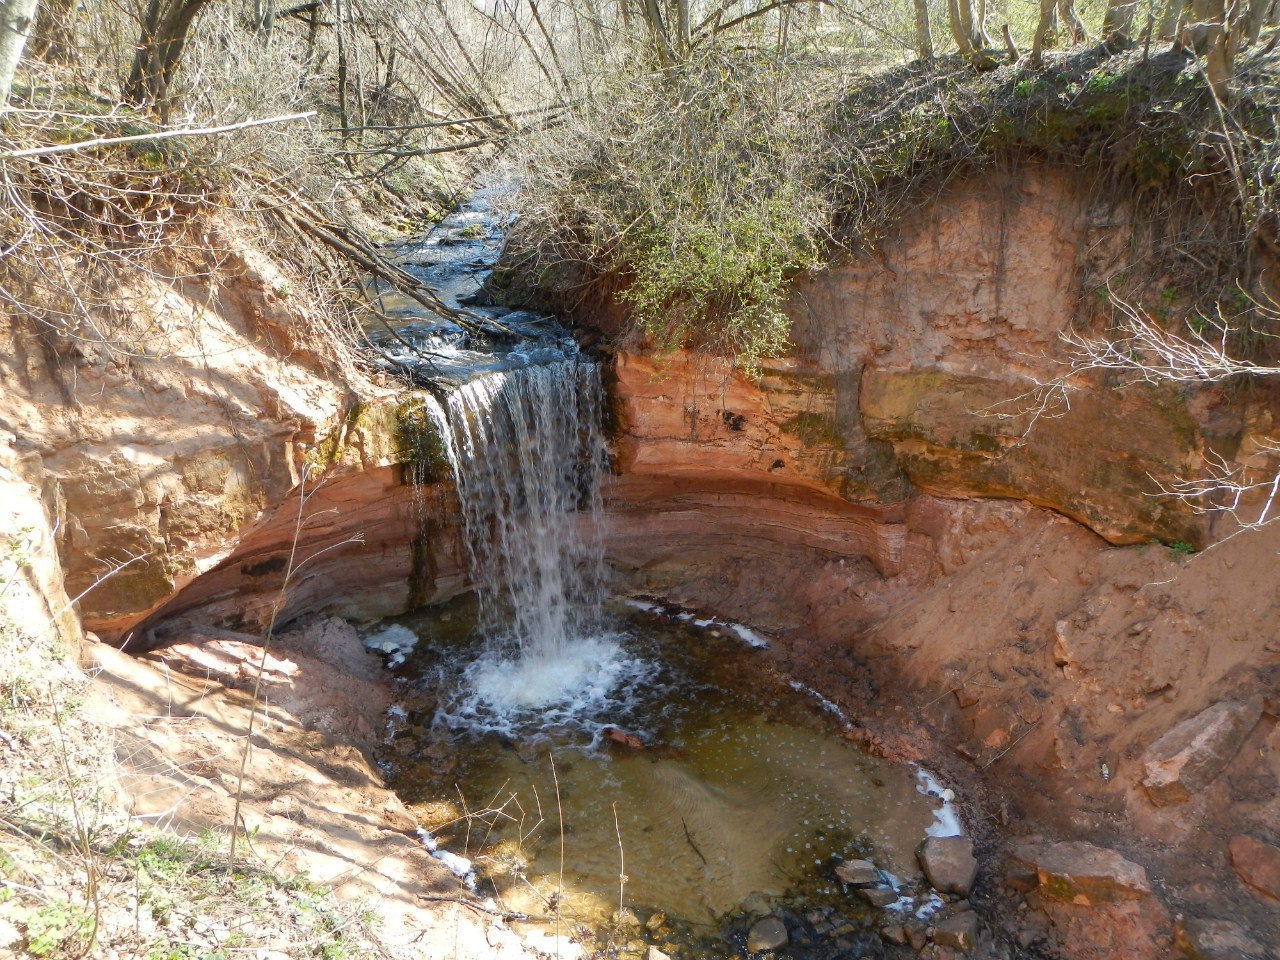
158	135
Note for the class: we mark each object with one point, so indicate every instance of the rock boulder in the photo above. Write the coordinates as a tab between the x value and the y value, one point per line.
1080	873
1187	758
949	864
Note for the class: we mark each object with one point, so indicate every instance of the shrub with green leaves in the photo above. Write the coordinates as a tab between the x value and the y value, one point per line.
697	185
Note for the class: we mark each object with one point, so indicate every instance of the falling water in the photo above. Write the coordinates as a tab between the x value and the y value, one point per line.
527	452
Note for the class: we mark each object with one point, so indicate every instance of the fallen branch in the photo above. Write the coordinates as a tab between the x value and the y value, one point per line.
158	135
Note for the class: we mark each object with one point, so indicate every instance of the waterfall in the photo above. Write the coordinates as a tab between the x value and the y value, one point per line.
527	454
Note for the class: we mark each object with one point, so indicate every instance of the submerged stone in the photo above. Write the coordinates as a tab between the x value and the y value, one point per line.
858	873
767	934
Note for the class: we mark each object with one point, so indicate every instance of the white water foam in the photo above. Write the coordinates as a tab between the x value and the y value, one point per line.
589	685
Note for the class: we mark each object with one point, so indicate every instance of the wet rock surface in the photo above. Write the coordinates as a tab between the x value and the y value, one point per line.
1258	865
767	934
1197	939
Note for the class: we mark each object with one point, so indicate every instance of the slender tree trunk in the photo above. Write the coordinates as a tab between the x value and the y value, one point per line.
53	38
17	18
1043	27
658	32
924	41
313	38
264	18
980	36
1071	20
340	30
686	35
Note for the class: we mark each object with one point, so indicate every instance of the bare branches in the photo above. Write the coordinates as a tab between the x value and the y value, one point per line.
151	137
1152	354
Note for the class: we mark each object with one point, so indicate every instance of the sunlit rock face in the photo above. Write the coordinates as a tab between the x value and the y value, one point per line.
914	372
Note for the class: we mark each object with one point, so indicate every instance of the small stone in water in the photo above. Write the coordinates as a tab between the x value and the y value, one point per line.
894	933
858	872
878	896
767	934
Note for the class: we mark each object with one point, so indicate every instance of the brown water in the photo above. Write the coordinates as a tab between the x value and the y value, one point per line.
741	791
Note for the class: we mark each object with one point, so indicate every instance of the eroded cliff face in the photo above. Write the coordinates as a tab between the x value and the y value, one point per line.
191	461
944	556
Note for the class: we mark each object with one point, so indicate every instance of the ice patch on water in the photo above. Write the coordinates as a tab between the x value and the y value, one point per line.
748	636
744	633
822	701
396	641
946	817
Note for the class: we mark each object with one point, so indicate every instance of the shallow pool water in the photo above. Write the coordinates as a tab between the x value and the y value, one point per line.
699	783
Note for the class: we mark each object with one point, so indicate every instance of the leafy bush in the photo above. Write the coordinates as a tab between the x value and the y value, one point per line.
699	186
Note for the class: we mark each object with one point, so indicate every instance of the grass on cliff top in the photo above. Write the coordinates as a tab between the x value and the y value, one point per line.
696	195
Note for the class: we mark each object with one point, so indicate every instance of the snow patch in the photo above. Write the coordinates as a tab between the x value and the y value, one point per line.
946	818
396	641
460	867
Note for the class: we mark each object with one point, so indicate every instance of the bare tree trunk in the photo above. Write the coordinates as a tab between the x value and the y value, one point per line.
264	17
165	27
686	34
313	38
979	27
658	32
1117	24
53	38
924	42
1042	31
339	22
1168	19
1010	47
1222	41
1074	25
959	19
17	17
